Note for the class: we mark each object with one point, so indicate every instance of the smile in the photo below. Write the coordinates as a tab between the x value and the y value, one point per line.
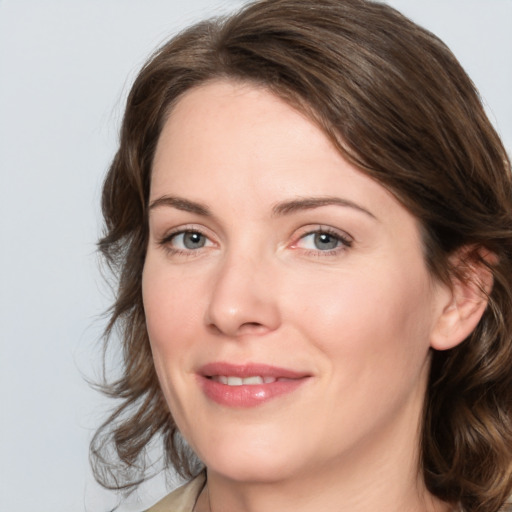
248	385
247	381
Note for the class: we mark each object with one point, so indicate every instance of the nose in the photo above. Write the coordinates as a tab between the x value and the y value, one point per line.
243	298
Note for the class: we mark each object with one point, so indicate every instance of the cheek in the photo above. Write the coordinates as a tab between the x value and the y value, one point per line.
368	320
374	346
171	303
172	309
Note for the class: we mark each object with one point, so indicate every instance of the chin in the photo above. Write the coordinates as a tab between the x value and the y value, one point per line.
254	470
257	459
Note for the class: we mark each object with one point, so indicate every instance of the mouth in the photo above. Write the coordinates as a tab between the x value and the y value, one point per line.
247	381
247	385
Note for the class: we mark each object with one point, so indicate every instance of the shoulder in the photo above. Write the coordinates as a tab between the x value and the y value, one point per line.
182	499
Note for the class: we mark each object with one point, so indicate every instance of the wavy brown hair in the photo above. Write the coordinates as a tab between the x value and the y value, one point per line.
398	105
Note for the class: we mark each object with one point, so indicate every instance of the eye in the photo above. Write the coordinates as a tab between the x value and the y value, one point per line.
188	240
185	241
323	240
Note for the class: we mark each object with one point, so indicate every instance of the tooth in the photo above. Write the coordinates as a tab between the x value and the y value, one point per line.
253	380
247	381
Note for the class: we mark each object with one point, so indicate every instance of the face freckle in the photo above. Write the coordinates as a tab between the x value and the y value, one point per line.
300	263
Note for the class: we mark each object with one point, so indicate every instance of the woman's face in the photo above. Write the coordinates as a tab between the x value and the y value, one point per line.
287	300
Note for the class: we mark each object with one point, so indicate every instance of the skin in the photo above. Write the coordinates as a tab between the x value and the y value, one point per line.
359	318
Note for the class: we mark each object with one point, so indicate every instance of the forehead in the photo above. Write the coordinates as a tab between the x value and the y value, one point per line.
224	124
219	113
240	144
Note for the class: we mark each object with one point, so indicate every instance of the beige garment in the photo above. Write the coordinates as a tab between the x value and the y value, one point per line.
182	499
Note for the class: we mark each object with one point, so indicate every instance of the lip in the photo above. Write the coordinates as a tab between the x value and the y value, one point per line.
243	396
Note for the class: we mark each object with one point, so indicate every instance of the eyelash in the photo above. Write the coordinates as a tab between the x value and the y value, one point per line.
166	240
345	242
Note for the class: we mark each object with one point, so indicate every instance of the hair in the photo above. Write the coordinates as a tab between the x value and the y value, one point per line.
397	104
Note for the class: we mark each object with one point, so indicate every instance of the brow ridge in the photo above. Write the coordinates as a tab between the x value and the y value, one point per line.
308	203
181	204
279	209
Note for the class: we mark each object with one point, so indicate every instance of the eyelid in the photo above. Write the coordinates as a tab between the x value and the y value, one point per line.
345	239
166	239
183	228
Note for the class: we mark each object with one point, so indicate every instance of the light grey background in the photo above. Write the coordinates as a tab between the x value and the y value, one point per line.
65	68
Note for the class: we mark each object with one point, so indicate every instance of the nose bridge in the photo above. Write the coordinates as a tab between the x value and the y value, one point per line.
243	298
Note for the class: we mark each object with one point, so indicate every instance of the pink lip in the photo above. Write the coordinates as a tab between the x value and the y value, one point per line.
248	395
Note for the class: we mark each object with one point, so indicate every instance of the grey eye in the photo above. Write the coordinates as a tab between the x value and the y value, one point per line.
193	240
325	241
188	240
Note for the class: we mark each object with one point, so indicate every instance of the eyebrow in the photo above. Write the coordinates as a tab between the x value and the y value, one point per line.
308	203
279	209
181	204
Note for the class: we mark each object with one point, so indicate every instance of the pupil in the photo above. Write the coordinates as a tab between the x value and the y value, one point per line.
193	240
325	241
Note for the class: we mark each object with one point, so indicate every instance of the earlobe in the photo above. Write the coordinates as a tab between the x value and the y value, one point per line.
466	300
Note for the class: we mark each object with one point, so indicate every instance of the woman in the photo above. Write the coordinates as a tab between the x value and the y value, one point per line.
310	215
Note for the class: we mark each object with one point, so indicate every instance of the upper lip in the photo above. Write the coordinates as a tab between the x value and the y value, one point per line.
249	370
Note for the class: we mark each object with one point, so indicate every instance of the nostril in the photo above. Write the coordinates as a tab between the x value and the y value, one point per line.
252	328
213	328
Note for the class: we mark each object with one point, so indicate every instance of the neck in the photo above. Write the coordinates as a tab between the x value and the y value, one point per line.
360	484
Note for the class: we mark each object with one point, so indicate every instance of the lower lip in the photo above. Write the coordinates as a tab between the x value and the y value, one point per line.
247	395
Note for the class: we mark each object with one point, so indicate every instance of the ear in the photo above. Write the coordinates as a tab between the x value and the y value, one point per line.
464	302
